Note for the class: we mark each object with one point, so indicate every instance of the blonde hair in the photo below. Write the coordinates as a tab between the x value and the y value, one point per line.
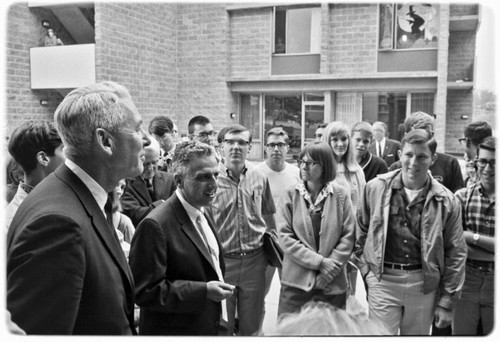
338	127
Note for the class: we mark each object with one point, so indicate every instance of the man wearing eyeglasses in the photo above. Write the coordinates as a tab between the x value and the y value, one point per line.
162	129
279	173
475	310
474	133
243	210
200	129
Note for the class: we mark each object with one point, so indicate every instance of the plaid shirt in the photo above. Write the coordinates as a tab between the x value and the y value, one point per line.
478	211
238	209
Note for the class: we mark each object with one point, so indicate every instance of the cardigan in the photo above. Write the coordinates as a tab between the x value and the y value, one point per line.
302	257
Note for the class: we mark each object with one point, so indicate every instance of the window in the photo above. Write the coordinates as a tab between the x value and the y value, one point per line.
408	26
297	30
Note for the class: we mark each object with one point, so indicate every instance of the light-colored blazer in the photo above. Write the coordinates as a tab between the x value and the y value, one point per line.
302	257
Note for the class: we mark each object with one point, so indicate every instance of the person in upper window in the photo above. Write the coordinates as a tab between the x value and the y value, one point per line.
51	39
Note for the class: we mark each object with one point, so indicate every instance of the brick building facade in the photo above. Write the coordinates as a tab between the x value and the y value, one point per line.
214	59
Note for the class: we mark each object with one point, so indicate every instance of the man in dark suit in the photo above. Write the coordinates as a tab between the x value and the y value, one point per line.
382	147
147	191
66	272
176	257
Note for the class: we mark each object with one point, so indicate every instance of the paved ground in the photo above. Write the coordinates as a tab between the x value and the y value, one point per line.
272	300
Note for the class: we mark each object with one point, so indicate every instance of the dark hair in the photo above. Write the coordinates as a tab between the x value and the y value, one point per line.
419	136
363	127
237	129
322	125
160	125
278	131
487	144
321	152
477	131
197	120
29	139
221	134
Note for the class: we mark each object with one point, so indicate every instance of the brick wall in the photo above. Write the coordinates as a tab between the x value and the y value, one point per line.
458	103
461	55
24	31
203	64
250	42
353	39
136	46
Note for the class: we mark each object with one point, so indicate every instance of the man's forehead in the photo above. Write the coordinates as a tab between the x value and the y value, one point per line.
276	138
485	153
421	148
203	128
244	135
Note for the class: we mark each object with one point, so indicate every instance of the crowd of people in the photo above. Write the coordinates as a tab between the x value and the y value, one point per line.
115	230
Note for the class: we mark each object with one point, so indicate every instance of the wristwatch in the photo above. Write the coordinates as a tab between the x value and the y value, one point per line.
475	238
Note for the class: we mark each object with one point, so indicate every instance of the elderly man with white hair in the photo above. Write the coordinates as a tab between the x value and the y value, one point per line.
148	190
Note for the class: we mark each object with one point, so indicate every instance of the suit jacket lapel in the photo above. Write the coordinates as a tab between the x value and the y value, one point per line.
99	222
190	230
158	184
141	189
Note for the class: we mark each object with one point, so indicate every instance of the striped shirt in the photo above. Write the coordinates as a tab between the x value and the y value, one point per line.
238	209
478	211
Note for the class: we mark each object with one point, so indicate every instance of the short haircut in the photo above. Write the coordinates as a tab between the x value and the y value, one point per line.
197	120
477	131
321	152
419	120
237	129
221	134
335	128
322	125
278	131
29	139
419	137
487	144
86	109
161	125
381	124
186	152
362	127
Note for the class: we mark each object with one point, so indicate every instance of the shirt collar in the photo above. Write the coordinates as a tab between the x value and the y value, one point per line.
229	173
192	212
327	190
95	189
26	187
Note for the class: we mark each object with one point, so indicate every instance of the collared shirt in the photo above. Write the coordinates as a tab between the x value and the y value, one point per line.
238	209
404	229
12	207
478	210
210	241
95	189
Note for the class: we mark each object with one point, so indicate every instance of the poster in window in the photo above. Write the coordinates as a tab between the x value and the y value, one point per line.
386	26
417	26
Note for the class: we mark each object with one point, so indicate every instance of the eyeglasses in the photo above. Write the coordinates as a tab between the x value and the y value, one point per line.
205	135
464	141
231	142
309	163
272	146
483	162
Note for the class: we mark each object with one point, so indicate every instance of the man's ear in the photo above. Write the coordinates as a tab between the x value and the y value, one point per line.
249	147
42	158
104	141
434	158
178	180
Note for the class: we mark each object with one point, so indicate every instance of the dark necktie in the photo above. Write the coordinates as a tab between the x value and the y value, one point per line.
380	150
108	209
149	185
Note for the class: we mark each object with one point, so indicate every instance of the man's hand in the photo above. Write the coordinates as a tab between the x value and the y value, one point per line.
218	291
442	317
321	282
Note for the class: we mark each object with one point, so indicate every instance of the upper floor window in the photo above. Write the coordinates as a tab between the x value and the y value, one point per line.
408	26
297	30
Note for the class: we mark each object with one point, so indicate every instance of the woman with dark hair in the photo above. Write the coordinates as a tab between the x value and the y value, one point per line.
316	221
